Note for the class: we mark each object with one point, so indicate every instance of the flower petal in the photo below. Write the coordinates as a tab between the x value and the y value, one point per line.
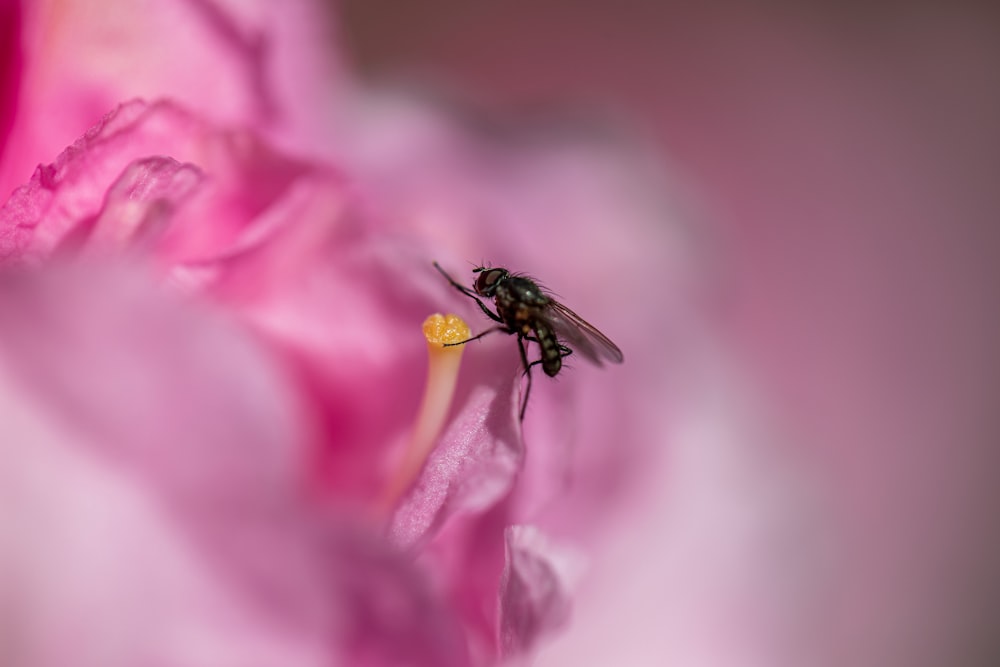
534	596
246	177
150	381
244	64
471	469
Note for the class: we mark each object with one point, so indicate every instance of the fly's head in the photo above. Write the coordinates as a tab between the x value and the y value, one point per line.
489	279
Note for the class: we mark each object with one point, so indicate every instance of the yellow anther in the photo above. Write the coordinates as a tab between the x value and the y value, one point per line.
445	329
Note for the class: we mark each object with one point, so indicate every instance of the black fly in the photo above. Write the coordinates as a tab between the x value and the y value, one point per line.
524	309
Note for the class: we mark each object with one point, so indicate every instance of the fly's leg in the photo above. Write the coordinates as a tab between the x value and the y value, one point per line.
461	288
527	371
478	336
472	295
493	316
563	352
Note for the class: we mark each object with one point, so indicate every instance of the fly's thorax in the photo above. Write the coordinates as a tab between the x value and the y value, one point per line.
520	304
524	291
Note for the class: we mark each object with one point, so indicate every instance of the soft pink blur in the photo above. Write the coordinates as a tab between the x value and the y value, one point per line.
152	496
829	492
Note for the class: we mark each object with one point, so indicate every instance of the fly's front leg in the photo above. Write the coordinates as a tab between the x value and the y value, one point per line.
457	285
493	316
472	295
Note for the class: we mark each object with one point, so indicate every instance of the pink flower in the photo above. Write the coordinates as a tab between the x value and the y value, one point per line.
213	365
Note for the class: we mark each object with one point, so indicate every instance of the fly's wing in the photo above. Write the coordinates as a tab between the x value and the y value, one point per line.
580	335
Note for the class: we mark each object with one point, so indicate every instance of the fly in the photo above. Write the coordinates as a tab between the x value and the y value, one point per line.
527	311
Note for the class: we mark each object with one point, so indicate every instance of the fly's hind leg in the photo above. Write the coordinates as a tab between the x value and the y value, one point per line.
563	353
527	371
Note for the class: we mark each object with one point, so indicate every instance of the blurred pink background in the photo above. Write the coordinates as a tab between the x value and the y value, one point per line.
838	166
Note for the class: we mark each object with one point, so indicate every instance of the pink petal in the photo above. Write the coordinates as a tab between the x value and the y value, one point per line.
245	176
534	599
473	466
145	379
338	303
252	64
138	207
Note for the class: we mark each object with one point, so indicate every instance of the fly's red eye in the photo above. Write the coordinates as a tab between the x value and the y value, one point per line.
487	281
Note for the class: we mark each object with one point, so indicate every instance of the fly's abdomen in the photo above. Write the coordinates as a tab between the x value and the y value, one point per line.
551	355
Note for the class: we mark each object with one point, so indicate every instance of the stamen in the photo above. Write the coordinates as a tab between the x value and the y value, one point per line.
442	375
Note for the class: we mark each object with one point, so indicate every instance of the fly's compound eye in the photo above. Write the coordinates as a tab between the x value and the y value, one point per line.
488	280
